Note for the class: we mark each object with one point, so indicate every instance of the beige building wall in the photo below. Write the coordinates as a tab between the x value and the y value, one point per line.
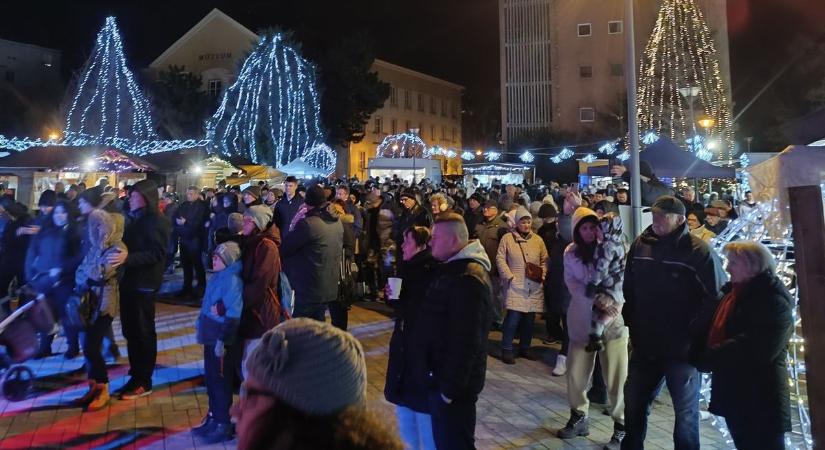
214	49
588	71
416	100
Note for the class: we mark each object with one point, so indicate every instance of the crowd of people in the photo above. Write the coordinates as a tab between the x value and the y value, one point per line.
453	261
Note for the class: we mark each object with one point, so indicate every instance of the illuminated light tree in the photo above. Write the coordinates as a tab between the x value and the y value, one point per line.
321	156
107	104
271	114
403	145
681	54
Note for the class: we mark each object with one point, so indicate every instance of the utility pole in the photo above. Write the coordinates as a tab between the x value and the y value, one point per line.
633	120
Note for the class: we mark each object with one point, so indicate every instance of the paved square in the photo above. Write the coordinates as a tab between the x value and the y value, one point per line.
521	407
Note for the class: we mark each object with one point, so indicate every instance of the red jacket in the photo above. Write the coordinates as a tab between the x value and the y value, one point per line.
261	267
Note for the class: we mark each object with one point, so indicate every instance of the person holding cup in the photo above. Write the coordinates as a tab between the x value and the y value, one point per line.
407	359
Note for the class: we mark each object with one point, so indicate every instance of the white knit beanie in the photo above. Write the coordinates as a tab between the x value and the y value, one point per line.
311	365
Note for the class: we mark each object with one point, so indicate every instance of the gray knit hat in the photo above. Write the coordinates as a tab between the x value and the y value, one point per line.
311	365
228	252
261	214
235	223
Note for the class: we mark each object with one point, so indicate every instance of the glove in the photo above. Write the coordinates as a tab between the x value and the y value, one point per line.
219	350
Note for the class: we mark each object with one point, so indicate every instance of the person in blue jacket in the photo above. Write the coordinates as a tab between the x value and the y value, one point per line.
217	329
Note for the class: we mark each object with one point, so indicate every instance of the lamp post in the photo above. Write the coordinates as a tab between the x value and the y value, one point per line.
690	93
415	132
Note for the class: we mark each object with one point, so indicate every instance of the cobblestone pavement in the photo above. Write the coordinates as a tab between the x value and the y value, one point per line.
521	407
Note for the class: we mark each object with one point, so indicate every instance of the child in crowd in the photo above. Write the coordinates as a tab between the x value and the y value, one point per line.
607	271
217	329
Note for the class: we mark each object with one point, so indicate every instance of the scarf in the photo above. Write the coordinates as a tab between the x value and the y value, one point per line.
716	335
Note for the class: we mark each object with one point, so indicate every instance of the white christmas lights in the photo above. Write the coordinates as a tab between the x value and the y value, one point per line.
527	157
493	156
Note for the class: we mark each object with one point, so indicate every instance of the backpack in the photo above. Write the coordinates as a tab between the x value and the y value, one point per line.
287	295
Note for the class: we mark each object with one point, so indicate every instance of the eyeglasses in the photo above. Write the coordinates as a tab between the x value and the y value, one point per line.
246	392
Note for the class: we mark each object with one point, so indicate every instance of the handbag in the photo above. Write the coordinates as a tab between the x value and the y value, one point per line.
532	271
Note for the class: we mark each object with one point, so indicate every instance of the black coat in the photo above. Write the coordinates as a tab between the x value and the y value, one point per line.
193	232
750	377
312	258
671	288
285	211
407	358
410	217
146	236
556	295
458	308
13	252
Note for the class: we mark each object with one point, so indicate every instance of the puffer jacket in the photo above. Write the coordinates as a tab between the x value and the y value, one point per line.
225	287
458	312
312	257
671	288
260	275
378	230
522	295
95	273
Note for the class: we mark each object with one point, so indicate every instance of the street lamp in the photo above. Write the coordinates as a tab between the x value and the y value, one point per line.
690	93
707	123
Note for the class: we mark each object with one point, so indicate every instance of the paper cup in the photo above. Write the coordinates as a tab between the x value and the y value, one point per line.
395	287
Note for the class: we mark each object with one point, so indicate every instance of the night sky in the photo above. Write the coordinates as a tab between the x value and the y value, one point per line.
453	39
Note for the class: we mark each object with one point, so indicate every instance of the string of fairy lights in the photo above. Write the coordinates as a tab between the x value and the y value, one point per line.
680	63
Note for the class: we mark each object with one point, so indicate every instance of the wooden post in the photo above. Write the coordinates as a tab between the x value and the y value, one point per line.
809	248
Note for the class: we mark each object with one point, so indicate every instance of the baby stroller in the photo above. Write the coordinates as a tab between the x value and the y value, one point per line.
20	334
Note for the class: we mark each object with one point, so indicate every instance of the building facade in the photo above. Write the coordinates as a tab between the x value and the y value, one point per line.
563	62
417	101
30	88
213	49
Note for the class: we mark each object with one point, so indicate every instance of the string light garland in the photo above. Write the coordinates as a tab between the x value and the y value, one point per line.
271	114
527	157
321	156
609	148
589	158
493	156
107	103
495	168
109	161
755	226
467	155
564	154
403	145
681	54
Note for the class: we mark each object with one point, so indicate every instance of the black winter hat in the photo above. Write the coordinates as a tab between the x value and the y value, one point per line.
315	196
47	198
92	196
548	210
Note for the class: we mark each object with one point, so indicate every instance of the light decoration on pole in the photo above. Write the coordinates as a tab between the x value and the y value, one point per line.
527	157
609	148
564	154
403	145
107	103
744	163
493	156
681	52
321	156
271	114
623	156
467	155
589	158
755	226
696	144
650	137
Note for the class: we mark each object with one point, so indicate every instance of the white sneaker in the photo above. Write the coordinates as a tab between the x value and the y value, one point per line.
561	366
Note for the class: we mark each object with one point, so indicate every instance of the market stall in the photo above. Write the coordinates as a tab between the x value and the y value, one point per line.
191	167
40	168
505	173
405	168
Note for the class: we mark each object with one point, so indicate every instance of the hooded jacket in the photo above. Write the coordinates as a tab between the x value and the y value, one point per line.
458	311
577	275
261	275
146	236
523	294
225	287
312	258
95	273
671	288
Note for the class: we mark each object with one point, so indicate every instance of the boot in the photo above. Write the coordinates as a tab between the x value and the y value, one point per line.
616	440
576	426
561	366
205	427
220	432
507	357
525	353
88	396
101	399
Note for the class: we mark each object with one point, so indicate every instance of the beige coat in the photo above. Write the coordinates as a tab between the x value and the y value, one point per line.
523	295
